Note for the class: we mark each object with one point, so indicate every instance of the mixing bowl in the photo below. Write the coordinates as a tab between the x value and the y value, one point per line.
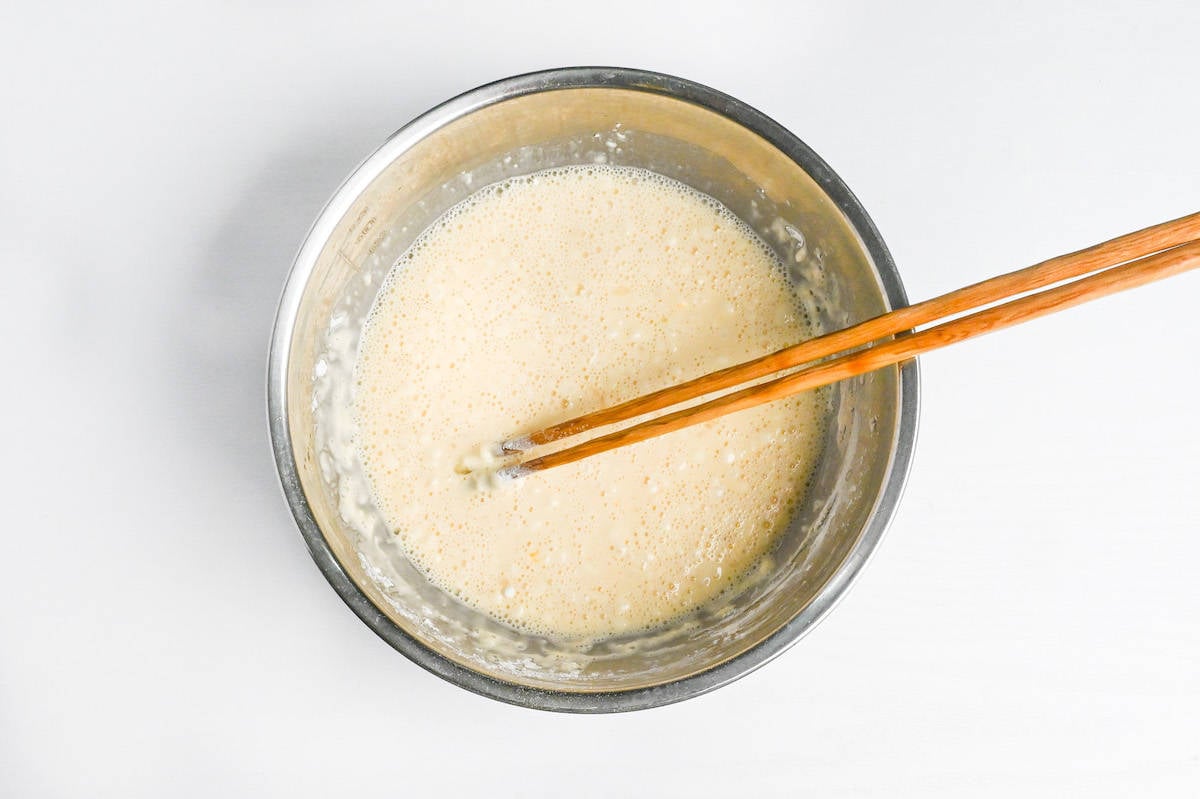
688	132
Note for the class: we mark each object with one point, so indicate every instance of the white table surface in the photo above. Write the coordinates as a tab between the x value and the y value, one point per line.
1029	626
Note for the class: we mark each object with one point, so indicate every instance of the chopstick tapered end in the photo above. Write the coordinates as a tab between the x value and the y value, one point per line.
515	445
514	472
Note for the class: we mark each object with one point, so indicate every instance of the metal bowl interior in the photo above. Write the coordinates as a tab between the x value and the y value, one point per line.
577	116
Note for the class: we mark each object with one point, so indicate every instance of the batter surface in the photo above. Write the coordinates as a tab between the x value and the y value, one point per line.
545	297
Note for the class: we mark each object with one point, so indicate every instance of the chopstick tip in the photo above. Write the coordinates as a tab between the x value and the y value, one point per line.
514	472
515	445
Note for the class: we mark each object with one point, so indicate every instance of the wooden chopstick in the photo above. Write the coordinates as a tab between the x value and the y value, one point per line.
1064	267
1183	254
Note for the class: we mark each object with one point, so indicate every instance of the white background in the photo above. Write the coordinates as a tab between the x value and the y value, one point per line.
1029	626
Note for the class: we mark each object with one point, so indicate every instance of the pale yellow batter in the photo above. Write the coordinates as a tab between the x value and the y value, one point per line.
546	297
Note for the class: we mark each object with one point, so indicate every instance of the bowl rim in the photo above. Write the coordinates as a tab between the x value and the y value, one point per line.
285	458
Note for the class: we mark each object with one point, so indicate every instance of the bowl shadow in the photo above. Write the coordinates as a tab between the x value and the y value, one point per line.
230	298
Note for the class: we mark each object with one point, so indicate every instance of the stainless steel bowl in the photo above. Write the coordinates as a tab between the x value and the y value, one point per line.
590	115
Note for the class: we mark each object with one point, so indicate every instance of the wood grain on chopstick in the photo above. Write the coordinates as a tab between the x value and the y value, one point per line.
1144	270
1064	267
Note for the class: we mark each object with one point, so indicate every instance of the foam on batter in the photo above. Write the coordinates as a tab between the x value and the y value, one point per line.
547	296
